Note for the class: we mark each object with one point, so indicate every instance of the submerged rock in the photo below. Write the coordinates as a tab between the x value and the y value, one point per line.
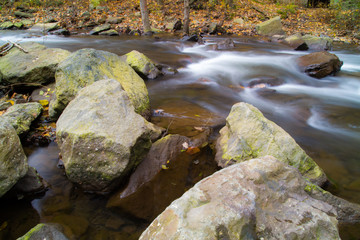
271	27
159	179
32	183
13	162
225	44
37	66
20	116
248	134
319	64
87	66
143	65
44	231
257	199
100	136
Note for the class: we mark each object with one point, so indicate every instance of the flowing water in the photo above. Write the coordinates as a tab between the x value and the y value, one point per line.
323	115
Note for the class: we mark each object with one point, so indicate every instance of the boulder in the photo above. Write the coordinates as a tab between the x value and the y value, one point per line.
347	212
248	134
149	190
100	29
225	44
44	27
270	27
20	14
100	136
215	28
193	38
35	67
257	199
319	64
296	42
143	65
4	105
86	66
318	43
19	25
61	31
32	183
110	32
20	116
44	231
6	25
174	25
13	162
27	23
239	21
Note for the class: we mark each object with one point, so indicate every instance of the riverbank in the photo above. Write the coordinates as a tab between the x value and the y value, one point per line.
240	20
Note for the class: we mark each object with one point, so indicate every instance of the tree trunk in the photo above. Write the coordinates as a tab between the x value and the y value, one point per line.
186	17
145	16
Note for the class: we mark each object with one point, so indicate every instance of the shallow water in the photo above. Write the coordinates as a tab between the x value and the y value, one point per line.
323	115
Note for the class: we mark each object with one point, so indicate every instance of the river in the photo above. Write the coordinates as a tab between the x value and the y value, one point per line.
322	115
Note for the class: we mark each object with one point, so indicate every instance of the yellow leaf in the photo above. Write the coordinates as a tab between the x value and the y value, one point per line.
164	167
44	102
11	101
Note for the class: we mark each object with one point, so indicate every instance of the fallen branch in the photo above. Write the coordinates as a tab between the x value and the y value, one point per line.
4	49
19	47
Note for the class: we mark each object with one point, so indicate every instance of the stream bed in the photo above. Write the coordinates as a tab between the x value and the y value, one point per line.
322	115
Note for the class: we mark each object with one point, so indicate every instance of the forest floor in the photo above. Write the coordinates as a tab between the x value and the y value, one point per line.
316	21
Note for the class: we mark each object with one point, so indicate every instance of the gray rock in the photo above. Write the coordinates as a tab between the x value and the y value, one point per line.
297	42
32	183
44	27
44	231
5	105
114	20
27	23
143	65
20	116
6	25
99	29
319	64
248	134
37	66
215	28
13	162
347	212
86	66
163	170
224	44
239	21
110	32
19	25
270	27
318	43
258	199
23	14
100	136
174	25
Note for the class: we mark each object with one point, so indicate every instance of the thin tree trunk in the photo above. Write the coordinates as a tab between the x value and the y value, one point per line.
186	17
145	16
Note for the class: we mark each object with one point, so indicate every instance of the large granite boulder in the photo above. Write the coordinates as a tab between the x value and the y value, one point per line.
248	134
100	136
318	43
87	66
20	116
159	178
44	231
143	65
319	64
13	162
257	199
270	27
37	66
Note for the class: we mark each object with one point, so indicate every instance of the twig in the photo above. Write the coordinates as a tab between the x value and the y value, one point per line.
4	49
18	46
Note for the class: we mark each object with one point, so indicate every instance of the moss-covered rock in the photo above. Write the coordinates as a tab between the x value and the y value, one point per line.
318	43
13	162
100	136
87	66
6	25
100	29
20	116
44	27
257	199
37	66
297	42
142	64
248	134
44	231
270	27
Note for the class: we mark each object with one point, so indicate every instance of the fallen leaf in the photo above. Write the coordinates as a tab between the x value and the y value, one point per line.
192	150
164	167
